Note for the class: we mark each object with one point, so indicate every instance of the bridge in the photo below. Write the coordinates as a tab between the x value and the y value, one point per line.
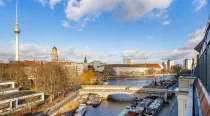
137	91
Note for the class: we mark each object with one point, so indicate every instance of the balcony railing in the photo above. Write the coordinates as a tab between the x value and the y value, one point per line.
198	103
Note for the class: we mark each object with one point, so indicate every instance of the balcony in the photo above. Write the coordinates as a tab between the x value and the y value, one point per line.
198	103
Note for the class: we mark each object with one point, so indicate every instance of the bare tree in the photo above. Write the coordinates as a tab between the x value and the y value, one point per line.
151	71
15	72
55	79
177	69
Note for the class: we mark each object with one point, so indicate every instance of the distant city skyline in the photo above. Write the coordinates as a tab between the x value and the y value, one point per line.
108	30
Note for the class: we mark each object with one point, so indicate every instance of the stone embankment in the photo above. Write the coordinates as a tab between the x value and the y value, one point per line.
139	77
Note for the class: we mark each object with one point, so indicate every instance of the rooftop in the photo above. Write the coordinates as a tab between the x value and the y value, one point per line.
16	94
136	65
6	81
8	89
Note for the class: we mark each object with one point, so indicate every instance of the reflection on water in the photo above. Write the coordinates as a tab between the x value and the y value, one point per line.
107	108
121	97
113	108
136	82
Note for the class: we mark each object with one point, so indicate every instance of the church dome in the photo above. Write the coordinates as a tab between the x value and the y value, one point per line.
54	48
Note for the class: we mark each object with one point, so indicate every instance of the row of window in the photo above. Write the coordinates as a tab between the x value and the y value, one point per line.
204	62
20	102
5	86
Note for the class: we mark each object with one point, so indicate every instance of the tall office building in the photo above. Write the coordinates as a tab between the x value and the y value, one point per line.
164	64
187	64
194	60
127	61
170	63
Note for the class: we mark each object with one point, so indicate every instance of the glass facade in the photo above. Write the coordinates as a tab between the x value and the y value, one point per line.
203	67
208	36
6	86
29	100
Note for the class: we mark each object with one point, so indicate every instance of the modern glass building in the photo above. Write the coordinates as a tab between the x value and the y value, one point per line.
193	92
203	60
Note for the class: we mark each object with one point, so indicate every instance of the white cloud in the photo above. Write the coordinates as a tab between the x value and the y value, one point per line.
135	54
80	10
80	25
135	9
77	9
2	3
196	37
177	54
43	2
187	50
65	23
199	4
52	3
167	22
42	52
124	9
161	13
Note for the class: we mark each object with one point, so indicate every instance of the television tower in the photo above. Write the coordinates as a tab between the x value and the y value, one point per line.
17	32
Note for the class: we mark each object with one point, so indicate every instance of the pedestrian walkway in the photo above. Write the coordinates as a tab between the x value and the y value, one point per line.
171	109
53	110
174	111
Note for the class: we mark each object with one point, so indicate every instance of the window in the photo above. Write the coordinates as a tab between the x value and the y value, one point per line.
21	101
208	36
5	86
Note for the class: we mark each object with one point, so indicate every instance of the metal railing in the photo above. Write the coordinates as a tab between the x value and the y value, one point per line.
109	87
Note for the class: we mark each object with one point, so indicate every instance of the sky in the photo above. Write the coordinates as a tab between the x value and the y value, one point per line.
148	31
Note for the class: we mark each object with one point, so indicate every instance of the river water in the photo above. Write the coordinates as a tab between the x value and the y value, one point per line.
113	108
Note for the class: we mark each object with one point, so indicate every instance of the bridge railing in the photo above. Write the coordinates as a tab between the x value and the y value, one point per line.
111	87
123	90
103	86
105	90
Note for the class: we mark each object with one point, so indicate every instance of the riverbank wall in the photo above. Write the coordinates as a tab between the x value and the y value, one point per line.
138	77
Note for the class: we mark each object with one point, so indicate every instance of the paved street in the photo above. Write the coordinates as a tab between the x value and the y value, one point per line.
165	111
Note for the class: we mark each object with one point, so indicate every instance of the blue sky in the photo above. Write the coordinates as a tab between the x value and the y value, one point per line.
106	30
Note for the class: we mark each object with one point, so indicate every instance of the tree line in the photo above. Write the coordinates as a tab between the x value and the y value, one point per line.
53	79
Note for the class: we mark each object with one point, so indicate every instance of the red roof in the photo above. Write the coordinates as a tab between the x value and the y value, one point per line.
136	65
63	62
127	65
153	65
29	63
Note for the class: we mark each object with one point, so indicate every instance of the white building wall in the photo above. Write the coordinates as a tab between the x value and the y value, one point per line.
19	98
188	64
79	68
8	91
182	94
182	102
127	61
130	70
8	83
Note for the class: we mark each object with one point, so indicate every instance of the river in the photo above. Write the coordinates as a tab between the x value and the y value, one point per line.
113	108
